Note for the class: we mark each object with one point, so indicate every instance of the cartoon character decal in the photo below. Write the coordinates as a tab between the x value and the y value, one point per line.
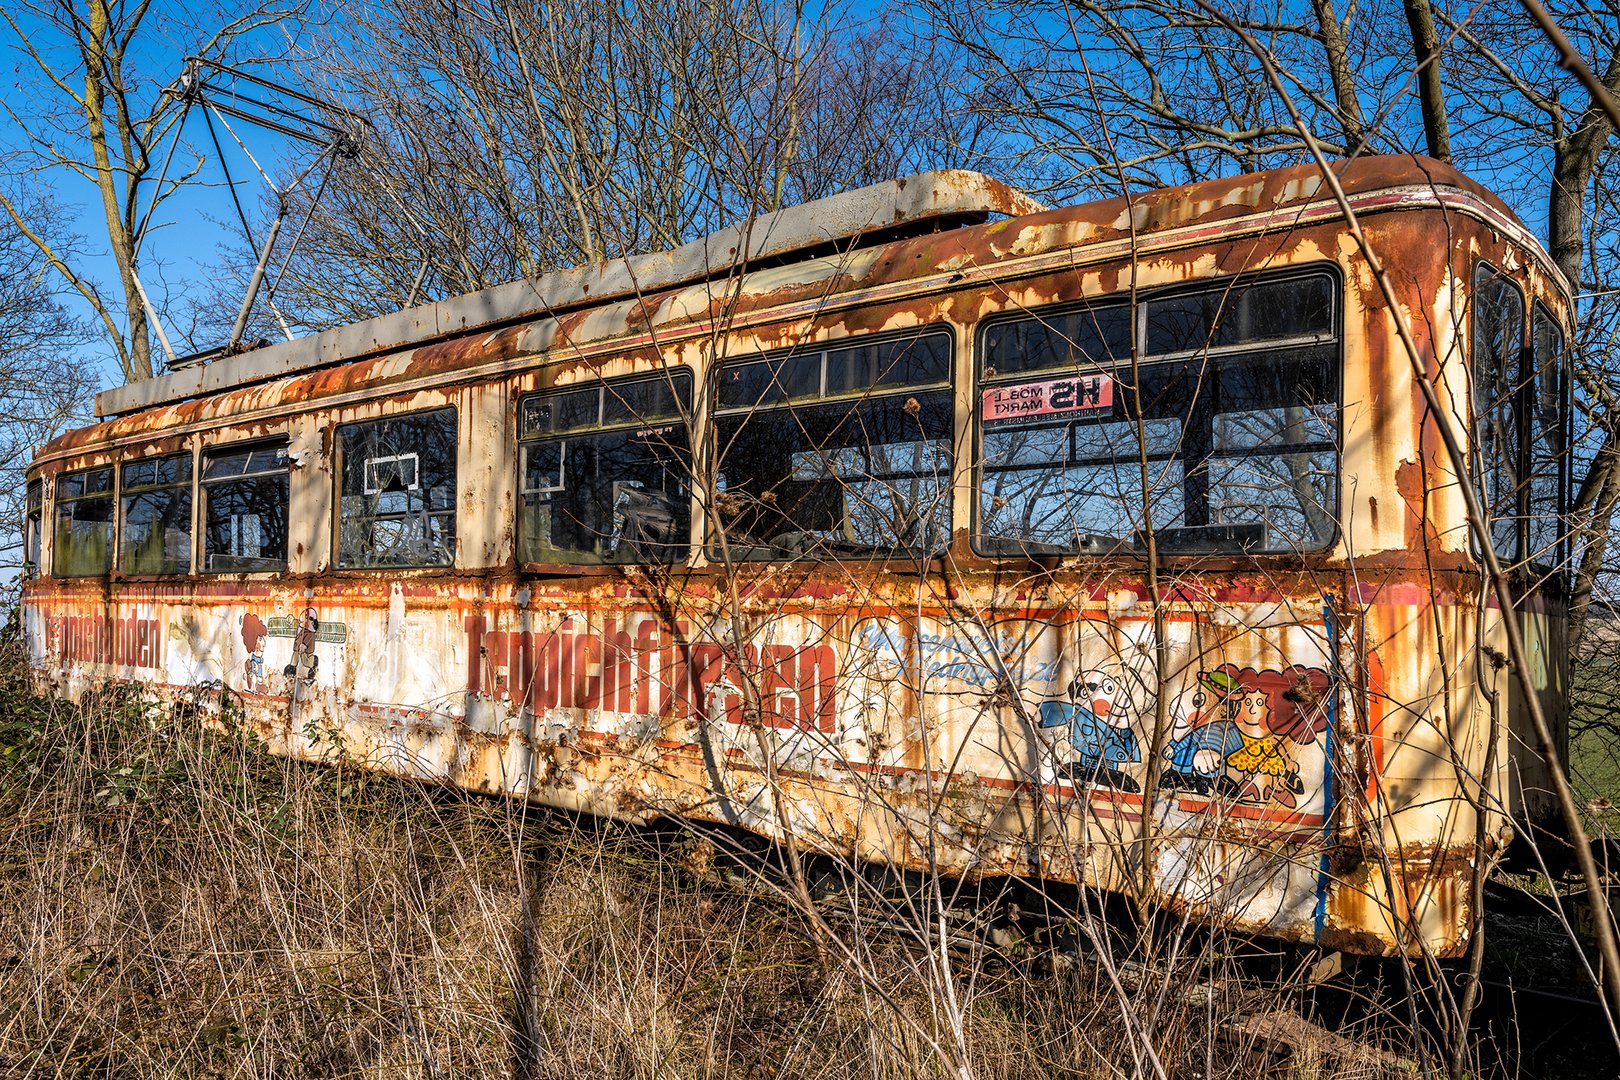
253	634
1098	716
1203	736
305	661
305	633
1237	739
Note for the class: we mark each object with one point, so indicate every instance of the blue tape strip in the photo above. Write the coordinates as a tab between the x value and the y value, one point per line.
1327	772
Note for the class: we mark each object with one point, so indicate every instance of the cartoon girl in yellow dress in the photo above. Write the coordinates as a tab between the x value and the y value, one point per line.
1264	755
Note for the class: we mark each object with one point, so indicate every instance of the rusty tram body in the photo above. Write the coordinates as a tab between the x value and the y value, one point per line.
1110	543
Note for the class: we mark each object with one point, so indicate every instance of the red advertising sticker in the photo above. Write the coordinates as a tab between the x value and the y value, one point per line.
1075	393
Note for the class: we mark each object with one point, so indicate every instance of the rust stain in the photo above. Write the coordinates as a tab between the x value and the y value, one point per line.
1412	486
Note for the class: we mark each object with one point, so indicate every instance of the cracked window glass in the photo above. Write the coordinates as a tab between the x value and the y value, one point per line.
1547	477
836	452
1232	449
1498	340
245	494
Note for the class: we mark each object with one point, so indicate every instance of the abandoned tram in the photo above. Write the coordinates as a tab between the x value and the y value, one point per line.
1111	543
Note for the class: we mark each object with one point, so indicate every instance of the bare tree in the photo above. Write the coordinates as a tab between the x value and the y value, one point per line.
45	386
1505	88
92	114
1163	93
512	139
1160	92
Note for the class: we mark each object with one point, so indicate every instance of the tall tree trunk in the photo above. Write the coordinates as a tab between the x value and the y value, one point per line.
1335	45
1431	95
101	63
1574	158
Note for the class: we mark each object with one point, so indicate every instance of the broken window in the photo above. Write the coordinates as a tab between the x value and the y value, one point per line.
1498	340
33	530
245	494
837	452
605	472
1548	473
155	500
84	523
1231	448
399	491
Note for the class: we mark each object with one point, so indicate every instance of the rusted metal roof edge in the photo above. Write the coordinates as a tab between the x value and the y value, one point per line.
1445	198
910	200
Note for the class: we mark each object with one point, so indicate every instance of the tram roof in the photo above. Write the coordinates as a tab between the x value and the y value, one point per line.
932	200
895	209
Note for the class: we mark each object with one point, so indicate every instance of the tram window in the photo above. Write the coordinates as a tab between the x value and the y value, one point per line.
1548	459
84	523
245	494
1098	334
839	452
605	472
1236	451
155	504
1498	348
399	491
1241	315
33	528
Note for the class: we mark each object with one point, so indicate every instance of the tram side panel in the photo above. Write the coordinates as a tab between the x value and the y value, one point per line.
922	741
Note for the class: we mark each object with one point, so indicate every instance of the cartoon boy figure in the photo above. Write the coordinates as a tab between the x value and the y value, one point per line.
1097	715
253	635
1202	738
305	661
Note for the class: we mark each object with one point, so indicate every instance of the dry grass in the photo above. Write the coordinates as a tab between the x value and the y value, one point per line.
176	903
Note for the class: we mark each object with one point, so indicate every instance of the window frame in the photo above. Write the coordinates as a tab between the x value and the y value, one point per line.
1523	393
684	385
1558	565
1333	342
204	483
338	493
1521	434
869	392
33	529
190	484
58	502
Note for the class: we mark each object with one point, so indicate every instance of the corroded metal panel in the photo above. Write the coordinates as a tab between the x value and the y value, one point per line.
982	737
